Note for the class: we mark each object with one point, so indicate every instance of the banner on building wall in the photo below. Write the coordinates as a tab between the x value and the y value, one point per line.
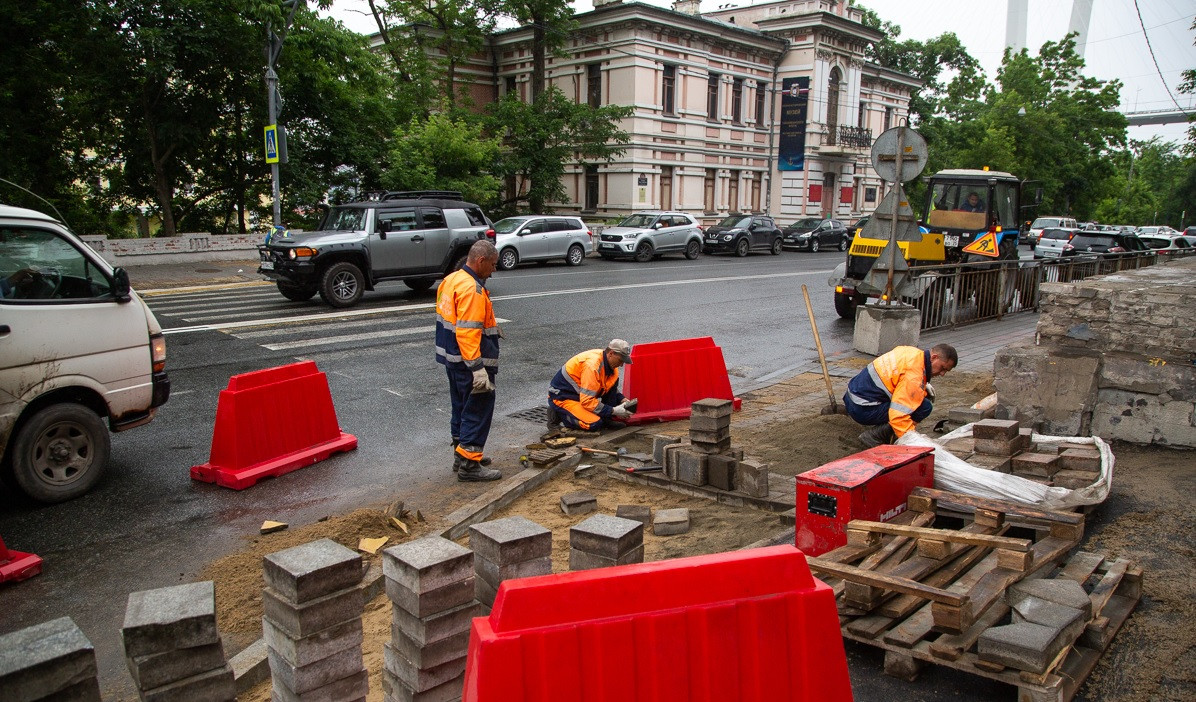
795	100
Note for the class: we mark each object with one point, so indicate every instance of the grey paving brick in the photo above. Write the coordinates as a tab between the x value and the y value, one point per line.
1001	429
712	407
395	691
999	464
420	679
353	687
180	616
659	442
967	415
300	679
720	472
510	540
606	536
313	615
1058	590
433	654
312	570
432	601
212	685
702	424
436	627
640	513
494	574
1064	619
84	691
691	467
581	560
484	592
43	659
1041	465
427	564
997	447
574	503
751	477
309	649
709	447
667	522
1087	459
710	437
164	668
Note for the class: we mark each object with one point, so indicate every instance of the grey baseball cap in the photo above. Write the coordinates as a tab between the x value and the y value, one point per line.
622	348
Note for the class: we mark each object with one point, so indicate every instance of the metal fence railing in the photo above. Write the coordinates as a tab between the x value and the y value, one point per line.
971	292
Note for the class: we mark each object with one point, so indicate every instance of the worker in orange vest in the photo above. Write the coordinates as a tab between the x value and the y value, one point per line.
894	392
584	393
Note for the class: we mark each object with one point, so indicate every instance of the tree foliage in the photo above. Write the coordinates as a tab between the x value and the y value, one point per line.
442	153
551	21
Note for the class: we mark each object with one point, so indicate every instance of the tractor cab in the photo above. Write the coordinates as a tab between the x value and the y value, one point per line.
964	206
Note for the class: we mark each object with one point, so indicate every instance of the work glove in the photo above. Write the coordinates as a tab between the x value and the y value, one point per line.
621	412
630	404
481	381
929	391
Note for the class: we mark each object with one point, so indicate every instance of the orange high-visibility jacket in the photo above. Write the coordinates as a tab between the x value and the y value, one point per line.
898	377
587	379
466	331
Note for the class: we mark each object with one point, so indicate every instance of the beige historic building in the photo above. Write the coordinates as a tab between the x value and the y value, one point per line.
769	108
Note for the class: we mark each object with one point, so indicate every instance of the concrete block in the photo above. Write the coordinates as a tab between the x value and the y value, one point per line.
433	654
711	407
427	564
606	536
705	425
431	601
1003	429
313	615
300	679
484	592
710	447
999	464
580	502
1074	479
161	669
494	574
671	457
710	437
309	649
751	477
215	685
640	513
1024	646
582	560
1025	439
967	415
181	616
961	446
394	690
1062	591
659	442
882	328
667	522
420	679
691	467
720	472
1085	459
436	627
354	687
1047	384
84	691
1038	465
997	447
736	453
510	540
43	659
312	570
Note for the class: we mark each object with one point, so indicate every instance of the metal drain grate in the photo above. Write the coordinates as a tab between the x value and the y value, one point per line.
537	415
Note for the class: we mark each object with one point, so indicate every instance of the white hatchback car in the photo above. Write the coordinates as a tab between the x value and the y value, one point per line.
541	238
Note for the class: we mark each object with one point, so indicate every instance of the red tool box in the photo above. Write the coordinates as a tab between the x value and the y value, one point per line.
872	485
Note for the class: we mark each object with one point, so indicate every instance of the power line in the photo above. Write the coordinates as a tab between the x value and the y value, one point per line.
1152	57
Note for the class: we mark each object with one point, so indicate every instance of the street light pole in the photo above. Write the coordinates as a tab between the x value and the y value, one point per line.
273	49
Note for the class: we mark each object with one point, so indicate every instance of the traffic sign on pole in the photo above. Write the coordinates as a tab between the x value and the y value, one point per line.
913	154
271	143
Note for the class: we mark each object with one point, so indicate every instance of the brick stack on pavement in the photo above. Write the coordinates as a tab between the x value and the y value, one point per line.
430	582
313	604
514	547
172	647
603	540
707	456
48	661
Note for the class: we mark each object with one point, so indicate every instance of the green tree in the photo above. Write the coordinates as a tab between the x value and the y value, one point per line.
551	21
1152	184
440	153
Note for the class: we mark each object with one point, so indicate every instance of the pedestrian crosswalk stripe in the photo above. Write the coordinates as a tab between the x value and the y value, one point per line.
348	338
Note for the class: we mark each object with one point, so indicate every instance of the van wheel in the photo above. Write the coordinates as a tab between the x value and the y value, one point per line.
777	245
575	256
296	293
507	259
60	452
845	304
342	284
741	248
692	249
643	253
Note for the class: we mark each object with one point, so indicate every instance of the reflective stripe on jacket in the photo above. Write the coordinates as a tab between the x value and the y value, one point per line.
466	331
897	378
588	379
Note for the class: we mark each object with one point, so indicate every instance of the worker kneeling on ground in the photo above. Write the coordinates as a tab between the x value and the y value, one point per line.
894	392
584	393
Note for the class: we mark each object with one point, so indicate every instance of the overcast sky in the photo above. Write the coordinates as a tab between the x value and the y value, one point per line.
1116	46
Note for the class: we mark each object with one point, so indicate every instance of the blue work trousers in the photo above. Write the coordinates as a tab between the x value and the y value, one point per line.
472	412
872	415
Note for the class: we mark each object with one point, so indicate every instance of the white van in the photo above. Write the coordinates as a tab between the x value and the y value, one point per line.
77	348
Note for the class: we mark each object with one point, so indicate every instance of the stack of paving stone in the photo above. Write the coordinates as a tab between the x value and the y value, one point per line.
430	583
1048	616
514	547
706	457
172	646
313	604
1005	446
51	661
604	540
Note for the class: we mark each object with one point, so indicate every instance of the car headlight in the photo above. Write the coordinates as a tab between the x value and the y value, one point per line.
728	237
301	252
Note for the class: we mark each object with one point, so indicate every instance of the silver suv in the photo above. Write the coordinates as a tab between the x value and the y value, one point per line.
1042	223
541	238
651	234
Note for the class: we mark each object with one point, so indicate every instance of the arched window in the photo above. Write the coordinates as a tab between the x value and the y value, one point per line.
832	104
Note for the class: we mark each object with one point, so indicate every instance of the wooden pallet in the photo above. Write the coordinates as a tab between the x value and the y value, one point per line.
926	595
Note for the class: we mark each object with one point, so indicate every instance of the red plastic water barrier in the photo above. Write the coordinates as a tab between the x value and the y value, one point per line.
16	565
271	422
669	376
745	626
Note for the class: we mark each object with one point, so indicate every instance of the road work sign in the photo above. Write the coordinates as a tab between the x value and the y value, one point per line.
985	246
271	143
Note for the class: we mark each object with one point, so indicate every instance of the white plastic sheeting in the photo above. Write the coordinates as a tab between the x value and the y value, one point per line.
957	475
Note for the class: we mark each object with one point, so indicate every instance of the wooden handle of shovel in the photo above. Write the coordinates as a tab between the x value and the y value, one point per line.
821	356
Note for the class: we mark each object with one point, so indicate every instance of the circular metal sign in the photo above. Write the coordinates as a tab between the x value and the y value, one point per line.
913	158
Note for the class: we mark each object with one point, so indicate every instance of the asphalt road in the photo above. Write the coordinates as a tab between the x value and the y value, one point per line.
147	524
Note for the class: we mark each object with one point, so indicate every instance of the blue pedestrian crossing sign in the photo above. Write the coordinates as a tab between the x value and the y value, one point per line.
271	143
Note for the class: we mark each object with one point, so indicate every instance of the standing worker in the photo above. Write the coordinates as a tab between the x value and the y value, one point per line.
467	345
894	392
584	393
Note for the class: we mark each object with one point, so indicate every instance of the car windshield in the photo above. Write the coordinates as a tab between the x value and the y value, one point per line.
1056	234
735	222
1098	243
1181	244
638	220
807	223
1043	222
508	225
1148	230
344	219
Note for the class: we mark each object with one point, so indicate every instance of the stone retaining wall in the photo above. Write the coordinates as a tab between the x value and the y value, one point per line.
1114	357
184	248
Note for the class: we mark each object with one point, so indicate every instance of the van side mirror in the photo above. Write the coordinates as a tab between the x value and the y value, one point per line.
120	285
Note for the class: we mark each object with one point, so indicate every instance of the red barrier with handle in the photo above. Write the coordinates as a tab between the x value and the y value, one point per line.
744	626
16	565
669	376
271	422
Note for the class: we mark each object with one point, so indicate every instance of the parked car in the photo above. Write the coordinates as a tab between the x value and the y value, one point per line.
541	238
1055	242
417	237
742	233
1190	235
1041	223
650	234
80	354
1106	243
1167	245
1160	229
814	234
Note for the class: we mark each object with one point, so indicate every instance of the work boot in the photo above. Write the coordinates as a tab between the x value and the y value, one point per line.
458	461
554	419
485	459
614	424
473	472
877	435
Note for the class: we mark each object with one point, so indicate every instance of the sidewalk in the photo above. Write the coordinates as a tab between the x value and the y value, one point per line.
150	279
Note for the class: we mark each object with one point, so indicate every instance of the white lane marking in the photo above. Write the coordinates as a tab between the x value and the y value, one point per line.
176	393
660	284
346	338
302	319
206	303
393	392
329	326
183	290
188	317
